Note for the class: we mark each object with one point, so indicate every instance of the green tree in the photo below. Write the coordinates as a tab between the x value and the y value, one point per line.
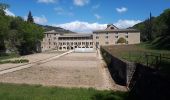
3	7
30	17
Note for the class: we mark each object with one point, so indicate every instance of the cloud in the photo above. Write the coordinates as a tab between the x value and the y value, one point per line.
121	10
39	20
80	26
9	13
95	6
126	23
81	2
97	16
47	1
61	11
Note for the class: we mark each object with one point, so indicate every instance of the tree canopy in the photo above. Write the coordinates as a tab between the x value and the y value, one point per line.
17	35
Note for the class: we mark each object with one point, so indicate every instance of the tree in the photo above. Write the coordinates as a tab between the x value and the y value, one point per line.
30	17
3	7
121	40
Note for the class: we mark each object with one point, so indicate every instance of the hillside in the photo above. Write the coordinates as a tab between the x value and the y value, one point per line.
156	30
57	29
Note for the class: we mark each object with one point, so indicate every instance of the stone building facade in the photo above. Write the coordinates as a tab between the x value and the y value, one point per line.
110	36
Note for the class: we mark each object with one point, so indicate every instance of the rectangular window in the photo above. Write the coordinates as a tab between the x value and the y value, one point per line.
97	37
116	36
107	42
126	36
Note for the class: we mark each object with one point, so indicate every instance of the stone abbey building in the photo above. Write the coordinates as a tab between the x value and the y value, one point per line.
110	36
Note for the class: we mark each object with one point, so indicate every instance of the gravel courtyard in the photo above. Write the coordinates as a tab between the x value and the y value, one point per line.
72	70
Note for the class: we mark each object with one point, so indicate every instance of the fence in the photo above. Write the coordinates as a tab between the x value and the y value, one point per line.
149	59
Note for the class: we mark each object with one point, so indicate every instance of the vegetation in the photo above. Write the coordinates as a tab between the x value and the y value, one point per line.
17	35
142	53
156	30
30	18
38	92
14	61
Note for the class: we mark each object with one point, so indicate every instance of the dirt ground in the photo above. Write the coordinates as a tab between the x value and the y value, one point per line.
31	58
72	70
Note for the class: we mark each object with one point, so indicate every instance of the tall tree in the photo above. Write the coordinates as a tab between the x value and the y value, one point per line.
3	7
30	17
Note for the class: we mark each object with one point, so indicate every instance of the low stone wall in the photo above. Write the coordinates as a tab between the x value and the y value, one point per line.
143	82
121	71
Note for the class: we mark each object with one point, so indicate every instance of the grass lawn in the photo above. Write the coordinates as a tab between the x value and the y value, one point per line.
38	92
4	56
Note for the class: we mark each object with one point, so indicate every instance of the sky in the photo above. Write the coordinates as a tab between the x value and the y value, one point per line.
87	15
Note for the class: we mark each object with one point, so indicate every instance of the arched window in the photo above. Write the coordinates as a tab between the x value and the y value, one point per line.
121	40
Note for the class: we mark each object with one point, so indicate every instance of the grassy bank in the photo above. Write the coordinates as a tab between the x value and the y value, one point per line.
37	92
142	53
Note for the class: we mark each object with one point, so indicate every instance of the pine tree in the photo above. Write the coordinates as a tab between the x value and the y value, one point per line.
30	18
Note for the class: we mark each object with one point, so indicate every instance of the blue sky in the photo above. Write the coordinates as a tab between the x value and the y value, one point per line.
87	15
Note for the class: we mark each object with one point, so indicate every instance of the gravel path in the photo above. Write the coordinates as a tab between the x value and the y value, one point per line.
72	70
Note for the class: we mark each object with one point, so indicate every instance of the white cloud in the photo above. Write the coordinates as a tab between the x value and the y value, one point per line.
80	26
121	10
40	20
81	2
46	1
97	16
126	23
9	13
61	11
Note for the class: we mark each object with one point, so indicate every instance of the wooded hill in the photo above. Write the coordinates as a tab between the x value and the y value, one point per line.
156	30
57	29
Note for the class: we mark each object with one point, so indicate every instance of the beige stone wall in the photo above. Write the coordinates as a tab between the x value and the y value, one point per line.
111	38
51	41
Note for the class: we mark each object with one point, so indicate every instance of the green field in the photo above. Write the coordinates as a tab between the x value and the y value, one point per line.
38	92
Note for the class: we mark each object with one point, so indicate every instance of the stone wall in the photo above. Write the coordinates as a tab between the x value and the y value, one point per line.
120	70
143	82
